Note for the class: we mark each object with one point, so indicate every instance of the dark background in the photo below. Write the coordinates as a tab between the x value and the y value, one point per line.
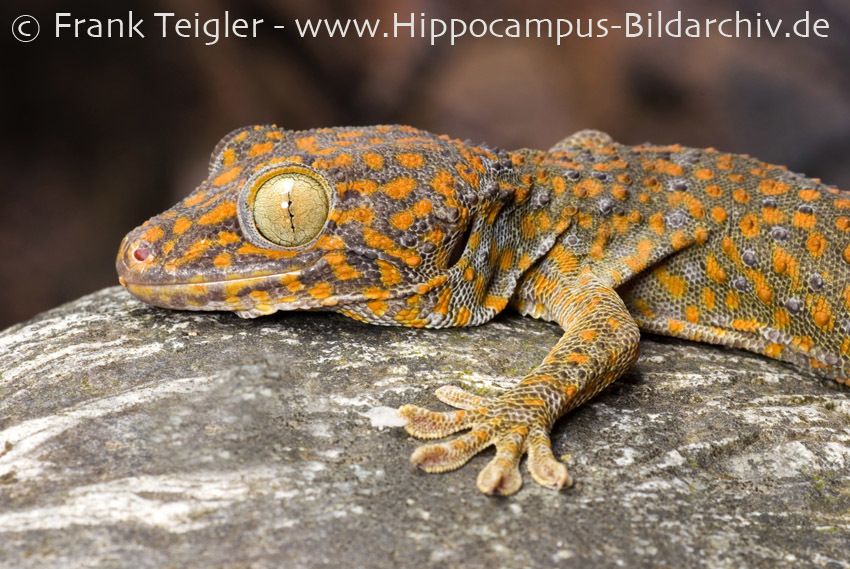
98	135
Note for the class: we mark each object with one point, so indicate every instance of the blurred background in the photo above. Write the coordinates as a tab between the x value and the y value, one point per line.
98	135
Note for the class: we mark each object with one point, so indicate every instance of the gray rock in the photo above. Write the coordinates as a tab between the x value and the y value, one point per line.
132	436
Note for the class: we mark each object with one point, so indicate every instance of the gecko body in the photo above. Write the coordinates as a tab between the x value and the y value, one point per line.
396	226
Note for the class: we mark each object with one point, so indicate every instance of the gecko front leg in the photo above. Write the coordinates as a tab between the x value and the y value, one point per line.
600	342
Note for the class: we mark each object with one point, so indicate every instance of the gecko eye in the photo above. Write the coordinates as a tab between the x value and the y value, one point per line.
290	205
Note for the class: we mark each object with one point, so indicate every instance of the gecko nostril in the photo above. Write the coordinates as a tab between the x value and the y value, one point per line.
141	253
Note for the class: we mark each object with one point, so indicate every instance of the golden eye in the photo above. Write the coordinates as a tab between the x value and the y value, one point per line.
291	206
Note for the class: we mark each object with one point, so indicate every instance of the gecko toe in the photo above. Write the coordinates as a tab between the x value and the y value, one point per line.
501	475
426	424
544	467
442	457
460	398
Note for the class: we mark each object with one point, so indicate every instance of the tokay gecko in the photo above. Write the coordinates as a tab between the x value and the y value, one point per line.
396	226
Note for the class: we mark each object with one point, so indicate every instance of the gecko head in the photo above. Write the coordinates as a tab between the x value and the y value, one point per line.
310	219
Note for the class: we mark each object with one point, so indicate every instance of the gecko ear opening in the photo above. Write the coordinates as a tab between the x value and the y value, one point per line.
459	247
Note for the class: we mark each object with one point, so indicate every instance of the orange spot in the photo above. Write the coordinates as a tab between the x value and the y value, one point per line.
307	144
704	174
195	198
321	291
340	161
402	220
804	220
222	260
399	188
805	343
227	176
725	162
675	326
680	240
816	244
733	301
713	269
373	161
181	224
260	149
638	261
219	214
781	318
410	159
763	289
675	285
644	309
774	350
153	233
772	215
773	188
785	264
389	274
708	298
249	249
746	325
692	314
577	358
364	187
496	303
344	272
718	214
421	208
809	195
588	335
714	191
378	307
662	166
822	314
653	184
656	222
621	223
749	226
462	317
588	187
228	158
741	196
558	185
194	251
619	192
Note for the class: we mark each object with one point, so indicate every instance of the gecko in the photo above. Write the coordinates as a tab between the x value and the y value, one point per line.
393	225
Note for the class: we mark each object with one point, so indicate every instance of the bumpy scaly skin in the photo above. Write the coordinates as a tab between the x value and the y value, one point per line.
424	230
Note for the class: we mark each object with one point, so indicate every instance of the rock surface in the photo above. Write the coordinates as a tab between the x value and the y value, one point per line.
132	436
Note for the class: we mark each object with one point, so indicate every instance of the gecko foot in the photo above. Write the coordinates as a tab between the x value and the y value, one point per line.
514	426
